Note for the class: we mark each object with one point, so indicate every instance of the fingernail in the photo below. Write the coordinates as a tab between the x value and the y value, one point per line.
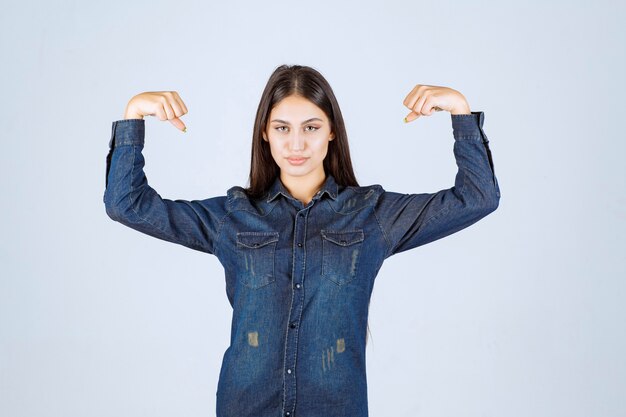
185	129
405	120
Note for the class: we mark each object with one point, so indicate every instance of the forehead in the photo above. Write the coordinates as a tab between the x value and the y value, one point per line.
297	108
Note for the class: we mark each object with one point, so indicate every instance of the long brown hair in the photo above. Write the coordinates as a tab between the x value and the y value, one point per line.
287	80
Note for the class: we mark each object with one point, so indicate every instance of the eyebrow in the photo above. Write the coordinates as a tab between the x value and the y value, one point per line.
305	122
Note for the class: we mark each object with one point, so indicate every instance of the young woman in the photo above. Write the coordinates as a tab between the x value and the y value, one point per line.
302	244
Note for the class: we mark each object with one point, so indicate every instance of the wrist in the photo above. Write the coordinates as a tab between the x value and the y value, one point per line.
132	116
460	106
130	113
461	110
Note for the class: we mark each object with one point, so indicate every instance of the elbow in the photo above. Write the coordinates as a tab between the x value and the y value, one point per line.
483	203
490	202
481	209
495	195
112	212
492	205
112	208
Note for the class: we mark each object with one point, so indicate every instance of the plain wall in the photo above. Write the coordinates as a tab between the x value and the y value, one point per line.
521	314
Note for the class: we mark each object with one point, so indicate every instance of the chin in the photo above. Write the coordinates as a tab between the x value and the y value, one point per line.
295	172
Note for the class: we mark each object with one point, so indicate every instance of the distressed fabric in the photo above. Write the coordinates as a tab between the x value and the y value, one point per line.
299	277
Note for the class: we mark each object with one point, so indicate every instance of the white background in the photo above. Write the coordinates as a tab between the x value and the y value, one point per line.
521	314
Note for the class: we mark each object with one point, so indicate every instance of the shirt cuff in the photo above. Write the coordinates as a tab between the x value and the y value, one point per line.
469	126
127	132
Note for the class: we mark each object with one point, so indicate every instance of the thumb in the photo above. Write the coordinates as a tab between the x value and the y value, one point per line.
179	124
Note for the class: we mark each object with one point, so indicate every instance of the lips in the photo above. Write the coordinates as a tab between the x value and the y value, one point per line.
297	160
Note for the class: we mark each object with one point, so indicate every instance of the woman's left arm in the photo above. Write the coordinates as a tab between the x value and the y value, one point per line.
411	220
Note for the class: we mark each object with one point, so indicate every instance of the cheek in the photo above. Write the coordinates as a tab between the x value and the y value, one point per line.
275	149
323	148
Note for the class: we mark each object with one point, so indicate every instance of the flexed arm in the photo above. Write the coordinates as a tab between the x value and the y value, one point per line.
411	220
131	201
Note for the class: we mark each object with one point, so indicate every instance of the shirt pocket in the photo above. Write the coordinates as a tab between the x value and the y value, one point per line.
341	250
256	257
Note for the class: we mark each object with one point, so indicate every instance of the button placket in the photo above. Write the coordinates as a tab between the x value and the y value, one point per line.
295	312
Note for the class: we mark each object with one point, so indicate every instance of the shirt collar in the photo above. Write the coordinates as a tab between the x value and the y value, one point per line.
277	187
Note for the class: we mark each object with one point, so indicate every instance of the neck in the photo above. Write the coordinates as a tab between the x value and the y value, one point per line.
304	188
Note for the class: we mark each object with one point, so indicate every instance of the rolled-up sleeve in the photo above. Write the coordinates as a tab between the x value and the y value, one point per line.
131	201
411	220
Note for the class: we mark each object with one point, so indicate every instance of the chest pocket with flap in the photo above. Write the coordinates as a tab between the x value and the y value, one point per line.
341	250
256	257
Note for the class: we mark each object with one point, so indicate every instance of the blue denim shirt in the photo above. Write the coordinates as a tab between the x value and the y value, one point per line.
299	277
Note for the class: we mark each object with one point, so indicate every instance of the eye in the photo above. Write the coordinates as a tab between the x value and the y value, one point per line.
314	128
279	127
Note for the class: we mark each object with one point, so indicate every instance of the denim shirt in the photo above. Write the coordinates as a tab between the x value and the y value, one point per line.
299	276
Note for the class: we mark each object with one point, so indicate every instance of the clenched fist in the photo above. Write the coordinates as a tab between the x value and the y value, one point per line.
424	99
166	105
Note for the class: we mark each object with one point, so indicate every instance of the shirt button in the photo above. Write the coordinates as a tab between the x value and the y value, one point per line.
288	371
287	413
299	244
292	325
298	286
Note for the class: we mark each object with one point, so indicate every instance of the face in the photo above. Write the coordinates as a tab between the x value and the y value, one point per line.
298	133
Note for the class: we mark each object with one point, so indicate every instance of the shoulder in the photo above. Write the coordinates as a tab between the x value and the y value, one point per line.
238	199
352	198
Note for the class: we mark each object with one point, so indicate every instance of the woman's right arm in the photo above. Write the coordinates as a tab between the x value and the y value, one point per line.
131	201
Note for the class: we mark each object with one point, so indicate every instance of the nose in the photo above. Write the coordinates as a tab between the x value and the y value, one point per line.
296	142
